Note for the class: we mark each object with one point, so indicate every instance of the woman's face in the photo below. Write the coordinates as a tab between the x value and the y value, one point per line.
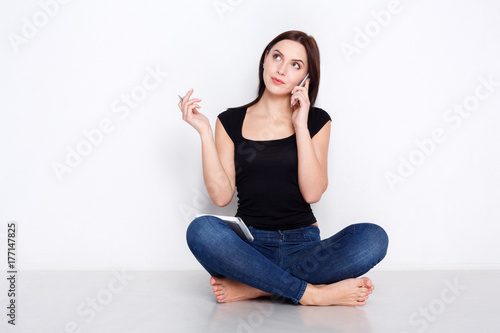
285	65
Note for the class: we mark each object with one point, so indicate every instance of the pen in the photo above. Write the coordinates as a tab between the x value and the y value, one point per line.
182	99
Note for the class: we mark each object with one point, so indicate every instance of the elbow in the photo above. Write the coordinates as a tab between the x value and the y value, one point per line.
312	198
219	197
222	201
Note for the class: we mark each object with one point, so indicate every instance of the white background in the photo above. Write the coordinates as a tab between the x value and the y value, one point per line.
128	202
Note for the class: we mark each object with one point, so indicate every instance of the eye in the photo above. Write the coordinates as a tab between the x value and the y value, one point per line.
296	65
277	56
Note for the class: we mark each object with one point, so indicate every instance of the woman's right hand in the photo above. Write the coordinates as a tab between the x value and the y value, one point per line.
191	115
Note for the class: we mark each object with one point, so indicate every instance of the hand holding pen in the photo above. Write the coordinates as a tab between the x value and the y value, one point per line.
190	113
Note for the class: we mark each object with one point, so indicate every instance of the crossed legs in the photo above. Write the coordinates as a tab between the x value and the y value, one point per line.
240	272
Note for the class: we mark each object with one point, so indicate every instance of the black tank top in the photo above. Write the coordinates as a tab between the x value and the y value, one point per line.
267	181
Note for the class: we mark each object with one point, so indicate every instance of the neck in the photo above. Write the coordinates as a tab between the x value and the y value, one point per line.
274	104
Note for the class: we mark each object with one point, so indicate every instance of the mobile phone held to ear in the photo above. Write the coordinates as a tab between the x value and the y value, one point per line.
301	84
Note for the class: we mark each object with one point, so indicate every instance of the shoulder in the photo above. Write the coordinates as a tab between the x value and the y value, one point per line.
317	119
318	114
231	120
230	115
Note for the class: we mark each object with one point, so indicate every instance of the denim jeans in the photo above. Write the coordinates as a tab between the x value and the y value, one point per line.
283	262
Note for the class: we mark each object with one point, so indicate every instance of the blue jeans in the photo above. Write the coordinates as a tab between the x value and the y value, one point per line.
283	262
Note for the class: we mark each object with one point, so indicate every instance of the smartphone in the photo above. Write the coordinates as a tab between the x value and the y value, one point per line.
301	84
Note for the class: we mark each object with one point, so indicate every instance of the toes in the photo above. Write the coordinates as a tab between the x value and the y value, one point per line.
218	291
367	282
360	283
361	303
213	281
361	298
220	295
363	294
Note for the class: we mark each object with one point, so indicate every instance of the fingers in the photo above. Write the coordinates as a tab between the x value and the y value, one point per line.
299	96
189	93
187	96
189	106
190	109
304	88
307	84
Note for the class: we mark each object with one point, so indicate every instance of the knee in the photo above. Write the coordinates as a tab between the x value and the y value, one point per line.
375	238
196	229
201	232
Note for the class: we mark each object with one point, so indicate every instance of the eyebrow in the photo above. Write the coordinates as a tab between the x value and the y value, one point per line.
276	50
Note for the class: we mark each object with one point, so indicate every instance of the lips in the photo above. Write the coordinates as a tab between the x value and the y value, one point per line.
277	81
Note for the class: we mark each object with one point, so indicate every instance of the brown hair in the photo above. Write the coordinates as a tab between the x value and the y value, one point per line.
312	52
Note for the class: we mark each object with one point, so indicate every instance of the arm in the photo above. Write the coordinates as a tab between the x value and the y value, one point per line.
312	152
313	156
218	166
217	156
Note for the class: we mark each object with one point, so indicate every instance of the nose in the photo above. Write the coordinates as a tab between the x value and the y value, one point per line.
280	69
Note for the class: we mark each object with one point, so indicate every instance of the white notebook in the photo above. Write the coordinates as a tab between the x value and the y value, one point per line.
236	223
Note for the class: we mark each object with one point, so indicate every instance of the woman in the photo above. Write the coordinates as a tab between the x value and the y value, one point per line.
274	150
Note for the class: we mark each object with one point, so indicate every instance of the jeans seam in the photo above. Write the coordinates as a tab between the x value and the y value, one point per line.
299	263
302	290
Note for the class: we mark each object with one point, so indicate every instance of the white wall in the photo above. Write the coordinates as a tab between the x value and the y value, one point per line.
128	202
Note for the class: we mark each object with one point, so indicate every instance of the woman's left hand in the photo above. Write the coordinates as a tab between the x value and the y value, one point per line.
301	108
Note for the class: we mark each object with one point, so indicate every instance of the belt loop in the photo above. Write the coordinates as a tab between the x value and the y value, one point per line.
282	235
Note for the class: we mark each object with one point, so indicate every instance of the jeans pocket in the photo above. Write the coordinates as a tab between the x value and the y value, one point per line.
312	233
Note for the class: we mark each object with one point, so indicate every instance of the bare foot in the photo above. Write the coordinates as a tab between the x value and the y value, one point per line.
352	292
227	290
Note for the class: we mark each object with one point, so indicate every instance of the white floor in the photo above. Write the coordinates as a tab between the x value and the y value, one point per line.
170	301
